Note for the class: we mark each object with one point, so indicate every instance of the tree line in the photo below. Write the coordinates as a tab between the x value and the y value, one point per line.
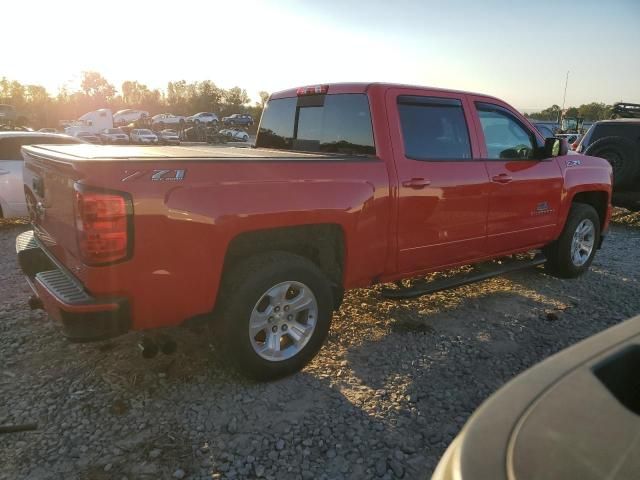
591	112
37	108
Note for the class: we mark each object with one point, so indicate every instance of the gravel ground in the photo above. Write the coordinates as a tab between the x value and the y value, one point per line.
392	387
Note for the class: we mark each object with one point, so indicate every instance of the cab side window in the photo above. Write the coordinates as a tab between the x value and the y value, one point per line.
506	138
433	128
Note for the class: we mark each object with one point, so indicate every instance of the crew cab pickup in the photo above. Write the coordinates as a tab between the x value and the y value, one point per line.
348	185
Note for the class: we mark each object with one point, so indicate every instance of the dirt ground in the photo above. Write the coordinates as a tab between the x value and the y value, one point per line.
391	388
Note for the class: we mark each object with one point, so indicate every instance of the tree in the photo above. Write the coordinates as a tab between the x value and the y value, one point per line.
96	87
264	97
594	111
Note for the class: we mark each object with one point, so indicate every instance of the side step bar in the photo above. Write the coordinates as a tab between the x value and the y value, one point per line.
482	271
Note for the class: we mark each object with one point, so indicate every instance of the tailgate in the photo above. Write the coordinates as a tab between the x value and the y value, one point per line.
49	190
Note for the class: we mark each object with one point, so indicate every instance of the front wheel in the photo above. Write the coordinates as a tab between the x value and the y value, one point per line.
572	253
276	312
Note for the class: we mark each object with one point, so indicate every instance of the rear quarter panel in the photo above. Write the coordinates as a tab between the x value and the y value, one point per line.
183	229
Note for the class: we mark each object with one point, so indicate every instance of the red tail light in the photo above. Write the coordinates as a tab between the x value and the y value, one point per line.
102	225
314	90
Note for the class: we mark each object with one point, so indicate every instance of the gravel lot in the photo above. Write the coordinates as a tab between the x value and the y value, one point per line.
392	387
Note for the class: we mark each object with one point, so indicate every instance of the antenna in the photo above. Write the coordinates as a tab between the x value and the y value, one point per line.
566	82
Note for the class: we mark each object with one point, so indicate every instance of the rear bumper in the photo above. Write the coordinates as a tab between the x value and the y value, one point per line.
83	317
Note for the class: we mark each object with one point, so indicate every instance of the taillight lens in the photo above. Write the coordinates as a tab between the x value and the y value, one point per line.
102	227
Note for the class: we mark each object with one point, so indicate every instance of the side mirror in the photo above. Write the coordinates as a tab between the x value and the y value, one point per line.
555	147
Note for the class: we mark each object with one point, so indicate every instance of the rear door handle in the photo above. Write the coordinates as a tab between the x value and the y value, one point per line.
416	183
502	178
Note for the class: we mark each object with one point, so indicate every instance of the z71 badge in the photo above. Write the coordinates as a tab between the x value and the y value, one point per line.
574	163
156	175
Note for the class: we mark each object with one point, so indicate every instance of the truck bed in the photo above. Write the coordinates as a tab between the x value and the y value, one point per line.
89	152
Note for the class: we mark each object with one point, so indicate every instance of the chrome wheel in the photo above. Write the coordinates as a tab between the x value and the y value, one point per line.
584	239
283	321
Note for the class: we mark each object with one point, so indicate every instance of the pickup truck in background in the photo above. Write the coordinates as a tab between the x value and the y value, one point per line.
349	185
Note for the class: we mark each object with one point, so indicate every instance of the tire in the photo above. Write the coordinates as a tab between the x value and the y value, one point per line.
623	156
244	295
561	261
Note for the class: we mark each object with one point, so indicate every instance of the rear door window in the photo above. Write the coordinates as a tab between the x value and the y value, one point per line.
433	128
320	123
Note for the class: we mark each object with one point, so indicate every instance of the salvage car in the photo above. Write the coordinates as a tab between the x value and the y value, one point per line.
235	134
88	137
127	116
168	137
12	200
349	185
238	119
203	117
143	136
163	119
113	136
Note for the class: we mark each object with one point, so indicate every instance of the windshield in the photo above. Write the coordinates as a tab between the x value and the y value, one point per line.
114	130
319	123
145	132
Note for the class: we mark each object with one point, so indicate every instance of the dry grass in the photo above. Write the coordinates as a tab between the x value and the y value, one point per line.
623	216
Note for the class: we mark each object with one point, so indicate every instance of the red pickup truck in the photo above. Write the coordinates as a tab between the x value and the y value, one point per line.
348	185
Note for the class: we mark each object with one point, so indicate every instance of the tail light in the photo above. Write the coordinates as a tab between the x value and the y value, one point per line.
102	226
314	90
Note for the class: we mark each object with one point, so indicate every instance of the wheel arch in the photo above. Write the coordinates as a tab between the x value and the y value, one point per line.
598	199
322	244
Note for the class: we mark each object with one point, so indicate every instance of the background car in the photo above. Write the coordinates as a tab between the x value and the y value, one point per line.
113	136
143	136
238	119
167	119
618	142
545	129
203	117
48	130
124	117
89	137
168	137
12	200
235	134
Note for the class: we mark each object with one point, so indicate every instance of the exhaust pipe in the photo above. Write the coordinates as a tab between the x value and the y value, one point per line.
148	347
162	343
35	303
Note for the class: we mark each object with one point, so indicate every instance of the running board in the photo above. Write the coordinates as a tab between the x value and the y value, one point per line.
482	271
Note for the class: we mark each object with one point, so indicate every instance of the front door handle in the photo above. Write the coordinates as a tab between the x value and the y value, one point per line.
416	183
502	178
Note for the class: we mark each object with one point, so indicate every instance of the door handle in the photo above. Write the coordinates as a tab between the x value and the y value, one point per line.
416	183
502	178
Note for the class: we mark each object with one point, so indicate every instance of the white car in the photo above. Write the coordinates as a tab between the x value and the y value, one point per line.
127	116
168	137
12	201
113	136
203	117
167	119
143	136
235	134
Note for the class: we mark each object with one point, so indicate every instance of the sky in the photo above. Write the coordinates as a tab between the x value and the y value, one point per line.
517	50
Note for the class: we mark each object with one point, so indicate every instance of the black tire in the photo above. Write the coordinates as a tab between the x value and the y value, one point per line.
622	154
559	259
245	286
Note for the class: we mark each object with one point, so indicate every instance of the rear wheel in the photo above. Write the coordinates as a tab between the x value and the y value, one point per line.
276	312
572	253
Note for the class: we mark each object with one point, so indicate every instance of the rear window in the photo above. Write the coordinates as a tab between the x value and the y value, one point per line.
10	146
319	123
433	128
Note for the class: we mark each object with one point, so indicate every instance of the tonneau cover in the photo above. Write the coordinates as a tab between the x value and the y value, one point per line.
89	152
